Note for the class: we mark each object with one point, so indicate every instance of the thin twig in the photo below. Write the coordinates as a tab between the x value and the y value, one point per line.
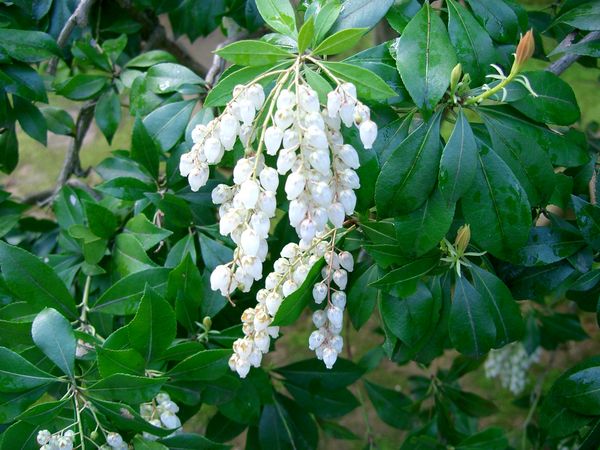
563	63
218	64
79	18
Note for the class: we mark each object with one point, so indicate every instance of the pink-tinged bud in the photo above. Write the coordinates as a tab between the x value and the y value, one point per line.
525	49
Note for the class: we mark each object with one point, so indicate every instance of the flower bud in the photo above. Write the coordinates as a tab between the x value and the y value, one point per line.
334	102
294	185
256	95
346	260
269	179
455	77
463	236
525	49
114	439
250	242
339	299
316	339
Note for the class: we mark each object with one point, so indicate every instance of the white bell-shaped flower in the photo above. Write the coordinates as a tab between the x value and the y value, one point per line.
221	278
273	303
316	138
347	114
256	94
335	315
329	357
368	133
309	100
347	198
286	160
250	242
334	102
340	277
308	229
349	91
294	185
242	170
336	214
291	138
269	179
346	260
273	138
199	133
246	111
249	193
286	100
213	150
283	118
186	164
319	292
319	318
349	156
316	339
267	203
220	194
339	299
289	287
198	177
242	367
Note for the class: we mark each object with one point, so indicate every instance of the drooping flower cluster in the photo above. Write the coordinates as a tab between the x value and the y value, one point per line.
326	340
115	441
56	441
162	413
510	364
304	139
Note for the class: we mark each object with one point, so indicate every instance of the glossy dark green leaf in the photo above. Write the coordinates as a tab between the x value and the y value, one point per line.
18	374
425	58
472	404
167	123
126	188
33	281
108	114
362	297
324	403
580	391
101	220
408	176
204	366
474	48
585	16
547	245
129	256
214	252
501	305
284	425
497	18
458	164
294	304
58	120
53	334
28	46
145	231
279	15
554	101
126	361
19	436
588	220
253	53
472	329
169	77
127	388
154	326
496	207
123	296
189	441
360	14
341	41
31	119
42	413
82	86
185	288
196	18
408	273
312	373
489	439
369	86
126	418
150	58
25	82
391	406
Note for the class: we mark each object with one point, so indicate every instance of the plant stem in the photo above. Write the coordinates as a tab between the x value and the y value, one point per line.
486	94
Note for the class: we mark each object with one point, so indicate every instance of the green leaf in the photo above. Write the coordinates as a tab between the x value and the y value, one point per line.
18	374
284	425
253	53
108	114
58	120
123	296
206	365
20	435
361	14
306	34
82	86
489	439
33	281
496	207
25	82
127	361
188	441
101	220
409	174
125	418
167	123
53	334
501	305
459	161
554	101
129	256
471	404
169	77
294	304
425	58
325	16
154	327
580	391
362	297
42	413
318	83
407	274
391	406
139	443
144	149
584	17
145	231
31	119
151	58
324	403
369	86
422	230
499	19
548	245
474	48
127	388
588	220
185	288
472	330
312	373
341	41
213	252
279	15
126	188
28	46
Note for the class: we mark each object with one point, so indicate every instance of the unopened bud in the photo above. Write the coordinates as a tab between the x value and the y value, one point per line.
207	323
455	77
524	49
463	236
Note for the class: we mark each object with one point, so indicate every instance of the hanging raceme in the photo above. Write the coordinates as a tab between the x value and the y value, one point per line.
286	132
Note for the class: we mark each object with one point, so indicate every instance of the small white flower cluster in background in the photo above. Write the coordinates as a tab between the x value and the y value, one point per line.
304	139
57	441
162	413
326	340
510	364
